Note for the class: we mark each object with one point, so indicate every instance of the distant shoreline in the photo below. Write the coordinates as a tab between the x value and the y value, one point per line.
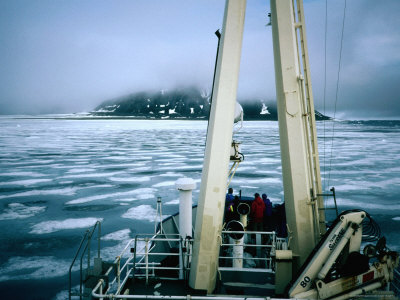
72	117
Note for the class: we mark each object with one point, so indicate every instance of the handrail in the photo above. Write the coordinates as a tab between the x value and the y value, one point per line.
125	268
333	190
240	256
88	238
73	262
139	260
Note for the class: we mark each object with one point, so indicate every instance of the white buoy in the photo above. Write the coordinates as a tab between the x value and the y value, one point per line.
185	187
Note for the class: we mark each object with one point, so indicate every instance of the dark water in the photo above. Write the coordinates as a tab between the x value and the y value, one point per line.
57	177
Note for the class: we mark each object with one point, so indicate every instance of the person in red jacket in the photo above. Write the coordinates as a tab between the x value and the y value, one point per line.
257	213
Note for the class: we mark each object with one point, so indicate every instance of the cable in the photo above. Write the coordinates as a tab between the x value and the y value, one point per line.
337	89
326	30
371	230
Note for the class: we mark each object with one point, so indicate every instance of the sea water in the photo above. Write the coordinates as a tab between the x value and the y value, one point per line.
59	176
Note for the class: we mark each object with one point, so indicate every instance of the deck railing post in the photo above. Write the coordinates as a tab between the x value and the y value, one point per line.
80	280
119	272
73	262
98	239
181	259
146	259
88	255
134	256
101	291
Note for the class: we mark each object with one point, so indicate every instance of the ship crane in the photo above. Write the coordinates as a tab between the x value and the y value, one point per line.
353	274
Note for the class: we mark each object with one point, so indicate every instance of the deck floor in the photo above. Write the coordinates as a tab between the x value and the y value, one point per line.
158	287
164	287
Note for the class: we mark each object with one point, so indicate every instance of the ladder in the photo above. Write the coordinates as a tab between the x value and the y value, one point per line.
309	117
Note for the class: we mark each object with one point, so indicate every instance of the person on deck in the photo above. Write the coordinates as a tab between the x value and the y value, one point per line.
281	226
257	212
229	196
235	214
267	213
229	205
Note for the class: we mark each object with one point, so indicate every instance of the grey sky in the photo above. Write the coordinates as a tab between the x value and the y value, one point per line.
68	56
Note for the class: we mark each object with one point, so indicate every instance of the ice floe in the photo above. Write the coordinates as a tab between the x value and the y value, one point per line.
26	182
259	182
53	226
368	185
141	212
20	211
33	267
81	170
172	202
89	199
249	187
143	193
109	253
130	179
366	205
164	184
92	175
120	235
63	192
23	173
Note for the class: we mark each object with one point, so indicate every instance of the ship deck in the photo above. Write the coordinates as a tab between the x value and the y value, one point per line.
175	288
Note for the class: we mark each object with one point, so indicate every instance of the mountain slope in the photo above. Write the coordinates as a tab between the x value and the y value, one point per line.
183	103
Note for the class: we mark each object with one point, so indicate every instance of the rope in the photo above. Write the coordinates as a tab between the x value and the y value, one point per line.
337	89
326	30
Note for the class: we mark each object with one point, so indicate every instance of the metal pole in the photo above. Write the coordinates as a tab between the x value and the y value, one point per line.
98	239
146	259
88	259
73	261
119	272
334	199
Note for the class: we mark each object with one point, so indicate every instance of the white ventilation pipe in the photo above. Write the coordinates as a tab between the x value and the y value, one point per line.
237	253
237	240
185	187
243	209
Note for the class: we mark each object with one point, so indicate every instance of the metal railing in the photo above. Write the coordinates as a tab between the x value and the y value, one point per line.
262	244
143	263
150	267
333	194
141	258
395	284
85	243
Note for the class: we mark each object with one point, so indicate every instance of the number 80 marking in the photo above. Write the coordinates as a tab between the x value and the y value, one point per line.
305	281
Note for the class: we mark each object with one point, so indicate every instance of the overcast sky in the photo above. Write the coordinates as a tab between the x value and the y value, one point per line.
69	56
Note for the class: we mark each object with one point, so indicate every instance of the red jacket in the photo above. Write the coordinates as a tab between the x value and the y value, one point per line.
257	210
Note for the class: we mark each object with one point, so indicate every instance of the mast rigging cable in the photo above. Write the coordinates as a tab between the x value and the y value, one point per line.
337	90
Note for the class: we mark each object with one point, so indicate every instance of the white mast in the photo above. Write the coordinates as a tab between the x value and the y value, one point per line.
299	152
216	161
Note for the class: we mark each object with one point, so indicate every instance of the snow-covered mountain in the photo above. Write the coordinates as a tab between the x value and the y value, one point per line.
181	103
